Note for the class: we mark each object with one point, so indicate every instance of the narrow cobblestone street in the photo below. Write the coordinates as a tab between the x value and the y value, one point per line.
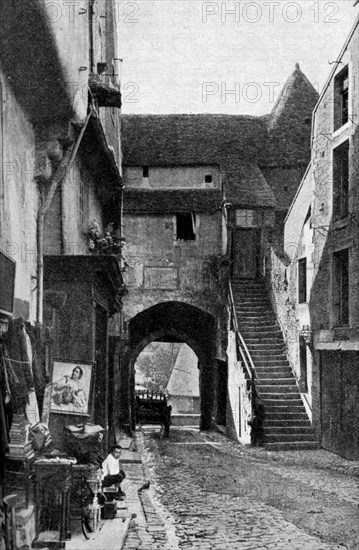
210	493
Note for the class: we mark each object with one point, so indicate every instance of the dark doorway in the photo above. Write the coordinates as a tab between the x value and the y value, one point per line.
222	381
341	287
246	248
101	380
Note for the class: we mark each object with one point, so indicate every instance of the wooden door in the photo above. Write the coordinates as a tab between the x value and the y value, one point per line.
340	402
246	246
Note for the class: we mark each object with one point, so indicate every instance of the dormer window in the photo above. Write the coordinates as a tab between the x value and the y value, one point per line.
145	171
341	98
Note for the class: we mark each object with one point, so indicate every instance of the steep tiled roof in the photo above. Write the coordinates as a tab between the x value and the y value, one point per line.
165	140
246	186
243	146
289	123
230	141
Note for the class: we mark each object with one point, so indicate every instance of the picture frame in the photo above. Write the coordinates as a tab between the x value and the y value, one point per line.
71	387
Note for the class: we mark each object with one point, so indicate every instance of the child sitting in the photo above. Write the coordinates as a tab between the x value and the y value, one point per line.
111	471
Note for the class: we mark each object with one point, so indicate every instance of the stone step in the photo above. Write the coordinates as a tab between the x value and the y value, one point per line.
264	362
264	375
257	325
265	346
250	298
248	290
245	327
255	341
298	420
253	314
266	314
288	430
277	385
253	305
248	283
240	292
269	355
185	419
270	321
286	424
270	361
256	322
272	367
269	397
257	335
289	410
284	437
248	301
291	446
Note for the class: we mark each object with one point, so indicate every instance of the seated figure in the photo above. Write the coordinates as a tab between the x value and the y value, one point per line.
112	474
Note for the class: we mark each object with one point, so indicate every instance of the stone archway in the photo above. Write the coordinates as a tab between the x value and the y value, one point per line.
180	322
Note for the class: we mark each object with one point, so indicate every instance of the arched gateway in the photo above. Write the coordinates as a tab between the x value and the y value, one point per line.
173	322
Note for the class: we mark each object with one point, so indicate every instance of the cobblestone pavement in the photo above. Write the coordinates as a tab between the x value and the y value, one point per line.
210	493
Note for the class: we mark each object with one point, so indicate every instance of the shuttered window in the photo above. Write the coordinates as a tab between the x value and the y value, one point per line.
341	181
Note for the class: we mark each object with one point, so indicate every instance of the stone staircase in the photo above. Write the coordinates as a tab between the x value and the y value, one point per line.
286	425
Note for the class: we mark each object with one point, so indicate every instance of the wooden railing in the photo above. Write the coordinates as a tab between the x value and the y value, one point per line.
243	350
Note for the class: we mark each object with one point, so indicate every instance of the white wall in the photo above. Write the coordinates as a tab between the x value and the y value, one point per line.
176	177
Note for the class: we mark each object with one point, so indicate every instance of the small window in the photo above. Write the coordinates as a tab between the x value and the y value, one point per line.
341	287
145	171
186	226
341	98
245	218
341	181
302	280
208	178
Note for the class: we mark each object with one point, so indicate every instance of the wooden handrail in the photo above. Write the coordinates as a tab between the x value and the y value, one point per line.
246	356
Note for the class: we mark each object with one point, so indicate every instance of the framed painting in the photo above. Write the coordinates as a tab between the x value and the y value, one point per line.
71	387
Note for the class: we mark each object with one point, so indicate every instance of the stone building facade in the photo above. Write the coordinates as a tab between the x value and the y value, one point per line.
60	157
315	285
204	194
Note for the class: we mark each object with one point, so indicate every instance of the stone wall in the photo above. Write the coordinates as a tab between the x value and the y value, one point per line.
178	177
161	268
329	235
317	236
19	199
239	408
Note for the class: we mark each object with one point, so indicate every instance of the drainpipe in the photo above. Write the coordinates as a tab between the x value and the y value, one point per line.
61	173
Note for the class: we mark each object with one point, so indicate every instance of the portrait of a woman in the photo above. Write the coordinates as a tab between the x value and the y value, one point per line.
70	391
